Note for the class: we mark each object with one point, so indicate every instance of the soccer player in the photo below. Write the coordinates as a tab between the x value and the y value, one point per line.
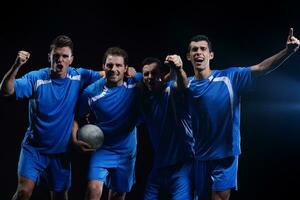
112	102
52	93
166	116
215	109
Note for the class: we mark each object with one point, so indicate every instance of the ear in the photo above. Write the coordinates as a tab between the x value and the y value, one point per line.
49	57
211	55
71	59
188	56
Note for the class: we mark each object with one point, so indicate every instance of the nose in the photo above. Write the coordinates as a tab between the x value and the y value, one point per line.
114	68
59	59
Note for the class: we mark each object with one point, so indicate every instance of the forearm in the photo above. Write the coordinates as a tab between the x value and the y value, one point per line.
7	83
271	63
74	131
182	80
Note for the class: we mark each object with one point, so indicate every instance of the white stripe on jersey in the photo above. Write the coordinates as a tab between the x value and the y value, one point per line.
75	78
41	82
227	82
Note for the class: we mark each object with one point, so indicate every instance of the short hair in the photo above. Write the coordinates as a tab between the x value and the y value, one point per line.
62	41
150	60
116	51
198	38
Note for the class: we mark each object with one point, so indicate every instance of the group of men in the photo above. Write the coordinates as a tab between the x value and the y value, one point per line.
193	122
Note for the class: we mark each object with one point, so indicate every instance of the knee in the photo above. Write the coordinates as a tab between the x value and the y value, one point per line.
94	191
23	192
116	195
225	195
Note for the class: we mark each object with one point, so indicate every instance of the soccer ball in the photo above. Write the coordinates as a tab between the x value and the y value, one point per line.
92	135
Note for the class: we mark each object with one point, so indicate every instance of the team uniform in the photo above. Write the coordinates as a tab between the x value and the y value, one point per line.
115	111
169	127
215	109
51	113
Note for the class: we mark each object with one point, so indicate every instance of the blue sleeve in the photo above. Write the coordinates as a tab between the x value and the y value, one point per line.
88	77
243	79
24	86
138	77
83	106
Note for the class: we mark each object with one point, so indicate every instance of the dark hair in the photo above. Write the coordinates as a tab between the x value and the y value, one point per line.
198	38
116	51
150	60
62	41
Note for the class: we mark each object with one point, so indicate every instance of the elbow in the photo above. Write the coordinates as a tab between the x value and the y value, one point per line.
6	92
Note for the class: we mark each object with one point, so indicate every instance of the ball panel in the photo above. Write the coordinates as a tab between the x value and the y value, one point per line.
92	135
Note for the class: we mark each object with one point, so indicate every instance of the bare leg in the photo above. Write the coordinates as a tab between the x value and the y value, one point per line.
221	195
25	189
116	195
94	190
59	195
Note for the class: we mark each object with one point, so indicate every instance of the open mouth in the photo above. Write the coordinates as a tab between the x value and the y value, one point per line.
199	60
59	66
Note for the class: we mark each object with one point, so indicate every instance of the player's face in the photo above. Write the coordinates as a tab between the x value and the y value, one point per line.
115	69
199	55
152	76
60	59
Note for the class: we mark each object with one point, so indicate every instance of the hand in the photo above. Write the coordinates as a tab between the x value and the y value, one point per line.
83	146
174	60
22	58
292	42
130	72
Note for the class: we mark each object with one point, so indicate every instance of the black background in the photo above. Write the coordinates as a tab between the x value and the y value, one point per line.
242	33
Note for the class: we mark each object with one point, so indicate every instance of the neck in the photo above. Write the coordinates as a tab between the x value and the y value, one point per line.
57	75
113	84
202	74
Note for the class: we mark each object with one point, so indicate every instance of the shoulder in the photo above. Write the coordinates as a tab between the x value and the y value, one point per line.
39	74
230	70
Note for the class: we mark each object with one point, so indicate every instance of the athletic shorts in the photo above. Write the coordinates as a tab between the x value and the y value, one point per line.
175	180
215	175
56	168
115	170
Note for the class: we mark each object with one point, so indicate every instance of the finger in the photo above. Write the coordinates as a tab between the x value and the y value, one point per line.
24	54
291	33
88	150
84	144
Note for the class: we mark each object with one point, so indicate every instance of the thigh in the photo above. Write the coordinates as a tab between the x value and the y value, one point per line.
224	174
59	173
202	178
101	165
31	163
181	184
122	177
154	184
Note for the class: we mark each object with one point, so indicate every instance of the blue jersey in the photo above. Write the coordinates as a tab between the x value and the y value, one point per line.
215	109
51	106
115	111
169	125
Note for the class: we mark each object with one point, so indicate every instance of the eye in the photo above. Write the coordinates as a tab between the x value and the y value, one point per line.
195	49
55	56
109	65
203	48
65	56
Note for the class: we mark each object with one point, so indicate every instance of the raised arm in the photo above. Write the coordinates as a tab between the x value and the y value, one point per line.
7	83
273	62
176	71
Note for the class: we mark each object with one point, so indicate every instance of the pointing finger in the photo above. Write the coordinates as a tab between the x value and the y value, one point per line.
291	33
